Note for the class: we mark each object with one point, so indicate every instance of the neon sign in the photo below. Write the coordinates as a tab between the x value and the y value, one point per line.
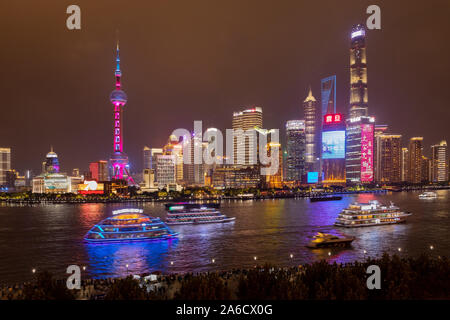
366	153
333	118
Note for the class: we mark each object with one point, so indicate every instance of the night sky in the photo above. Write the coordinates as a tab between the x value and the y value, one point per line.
201	60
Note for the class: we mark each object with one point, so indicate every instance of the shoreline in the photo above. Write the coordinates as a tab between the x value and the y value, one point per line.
281	195
245	283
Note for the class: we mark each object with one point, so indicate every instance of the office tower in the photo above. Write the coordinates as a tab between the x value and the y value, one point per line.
75	172
5	165
296	150
51	164
426	172
378	130
245	144
98	170
360	127
175	147
333	149
147	158
404	162
313	122
439	162
328	95
388	158
415	160
119	159
274	181
358	73
165	170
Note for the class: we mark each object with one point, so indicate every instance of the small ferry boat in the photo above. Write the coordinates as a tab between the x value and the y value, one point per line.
370	214
428	195
129	225
192	213
324	240
325	198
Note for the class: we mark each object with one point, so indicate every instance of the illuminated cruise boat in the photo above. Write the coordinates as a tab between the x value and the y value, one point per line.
189	213
370	214
428	195
129	225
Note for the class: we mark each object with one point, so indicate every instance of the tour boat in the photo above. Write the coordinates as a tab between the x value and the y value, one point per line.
428	195
193	213
129	225
324	240
370	214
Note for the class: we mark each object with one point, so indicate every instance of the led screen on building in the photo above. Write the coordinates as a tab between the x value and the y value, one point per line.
333	144
313	177
366	152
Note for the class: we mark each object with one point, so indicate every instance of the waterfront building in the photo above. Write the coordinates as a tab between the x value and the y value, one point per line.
165	170
333	149
51	180
194	173
415	160
295	150
439	162
174	147
274	181
244	142
225	177
313	121
404	162
98	170
360	126
75	172
5	165
388	158
148	184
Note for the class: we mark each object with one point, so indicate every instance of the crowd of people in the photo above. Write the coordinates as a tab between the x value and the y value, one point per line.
401	278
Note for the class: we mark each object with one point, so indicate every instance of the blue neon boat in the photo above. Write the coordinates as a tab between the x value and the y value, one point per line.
129	225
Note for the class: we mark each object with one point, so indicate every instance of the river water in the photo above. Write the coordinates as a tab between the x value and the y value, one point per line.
49	237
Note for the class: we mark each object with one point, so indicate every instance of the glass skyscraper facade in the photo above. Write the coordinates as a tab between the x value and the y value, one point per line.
313	122
295	147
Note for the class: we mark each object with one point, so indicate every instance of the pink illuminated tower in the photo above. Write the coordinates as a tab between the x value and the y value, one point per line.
119	160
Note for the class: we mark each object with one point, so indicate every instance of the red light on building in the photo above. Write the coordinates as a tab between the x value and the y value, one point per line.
333	118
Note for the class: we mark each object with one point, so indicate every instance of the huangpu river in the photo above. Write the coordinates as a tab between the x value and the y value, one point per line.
50	237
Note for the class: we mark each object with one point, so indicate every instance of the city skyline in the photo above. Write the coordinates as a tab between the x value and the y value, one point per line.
88	55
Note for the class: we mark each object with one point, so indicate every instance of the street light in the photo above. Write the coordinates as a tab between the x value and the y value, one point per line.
34	270
399	249
291	255
329	253
255	258
171	263
213	260
431	247
84	268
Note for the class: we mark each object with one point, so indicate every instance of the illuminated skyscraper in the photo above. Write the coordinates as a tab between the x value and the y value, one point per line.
333	149
313	122
439	162
296	147
358	73
360	127
119	160
415	160
246	143
404	161
99	170
51	164
388	158
328	91
5	165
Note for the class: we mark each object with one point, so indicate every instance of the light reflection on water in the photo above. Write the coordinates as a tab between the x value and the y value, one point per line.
50	237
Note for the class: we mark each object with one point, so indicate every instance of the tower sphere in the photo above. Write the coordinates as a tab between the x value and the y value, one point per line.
118	96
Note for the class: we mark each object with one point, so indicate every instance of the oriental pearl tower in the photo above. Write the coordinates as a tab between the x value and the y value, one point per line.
119	160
